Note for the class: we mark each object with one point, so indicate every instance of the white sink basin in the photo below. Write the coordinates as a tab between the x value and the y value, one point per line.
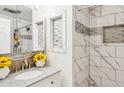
28	75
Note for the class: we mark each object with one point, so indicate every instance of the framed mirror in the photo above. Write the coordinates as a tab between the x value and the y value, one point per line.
16	29
40	27
57	29
22	35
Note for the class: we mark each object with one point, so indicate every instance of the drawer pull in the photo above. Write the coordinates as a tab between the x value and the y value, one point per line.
51	82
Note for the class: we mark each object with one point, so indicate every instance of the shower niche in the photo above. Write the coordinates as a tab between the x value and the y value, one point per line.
113	34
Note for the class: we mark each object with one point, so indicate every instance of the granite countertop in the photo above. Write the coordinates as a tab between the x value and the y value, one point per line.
11	82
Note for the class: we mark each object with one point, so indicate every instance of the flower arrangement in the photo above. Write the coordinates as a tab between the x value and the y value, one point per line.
39	57
5	62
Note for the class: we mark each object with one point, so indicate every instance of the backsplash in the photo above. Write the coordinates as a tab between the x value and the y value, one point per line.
17	64
19	59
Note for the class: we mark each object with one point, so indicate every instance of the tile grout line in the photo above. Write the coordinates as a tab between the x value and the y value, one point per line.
115	75
115	52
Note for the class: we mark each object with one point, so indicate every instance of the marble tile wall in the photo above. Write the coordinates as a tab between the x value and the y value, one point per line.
80	46
96	63
106	59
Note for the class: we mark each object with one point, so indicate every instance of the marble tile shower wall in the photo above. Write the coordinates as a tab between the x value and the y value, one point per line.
80	46
106	59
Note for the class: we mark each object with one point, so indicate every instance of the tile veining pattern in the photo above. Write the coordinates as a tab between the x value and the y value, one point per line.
101	64
113	34
57	32
80	47
106	59
40	35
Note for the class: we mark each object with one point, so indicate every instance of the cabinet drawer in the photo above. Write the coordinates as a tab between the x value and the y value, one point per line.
51	81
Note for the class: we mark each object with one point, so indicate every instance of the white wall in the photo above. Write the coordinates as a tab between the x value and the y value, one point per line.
61	60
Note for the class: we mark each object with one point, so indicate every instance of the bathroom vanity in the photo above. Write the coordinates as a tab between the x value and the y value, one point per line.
43	77
16	29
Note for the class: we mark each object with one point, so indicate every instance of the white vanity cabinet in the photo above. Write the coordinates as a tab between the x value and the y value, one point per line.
51	77
50	81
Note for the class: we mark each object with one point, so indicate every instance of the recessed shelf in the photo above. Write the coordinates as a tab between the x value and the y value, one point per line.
113	34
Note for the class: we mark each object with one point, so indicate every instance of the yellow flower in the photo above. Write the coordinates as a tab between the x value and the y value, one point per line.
39	57
5	61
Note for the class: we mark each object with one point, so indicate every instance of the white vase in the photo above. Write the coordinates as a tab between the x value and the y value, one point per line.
4	72
40	63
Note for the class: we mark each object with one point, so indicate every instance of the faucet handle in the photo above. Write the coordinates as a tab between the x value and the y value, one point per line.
26	63
23	65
